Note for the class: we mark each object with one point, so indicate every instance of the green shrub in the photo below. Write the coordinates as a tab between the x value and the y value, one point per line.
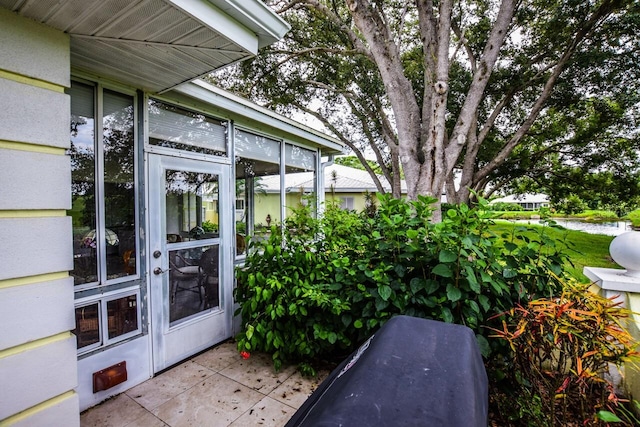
321	286
571	205
597	215
505	207
517	215
634	217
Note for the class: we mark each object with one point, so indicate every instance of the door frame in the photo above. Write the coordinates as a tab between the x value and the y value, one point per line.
171	344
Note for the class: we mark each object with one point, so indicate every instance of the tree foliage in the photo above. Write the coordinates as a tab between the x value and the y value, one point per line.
437	87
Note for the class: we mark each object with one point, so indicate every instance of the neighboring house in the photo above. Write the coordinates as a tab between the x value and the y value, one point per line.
119	174
529	202
343	184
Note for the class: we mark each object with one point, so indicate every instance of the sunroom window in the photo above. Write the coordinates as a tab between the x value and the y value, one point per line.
300	178
180	129
103	212
257	185
260	174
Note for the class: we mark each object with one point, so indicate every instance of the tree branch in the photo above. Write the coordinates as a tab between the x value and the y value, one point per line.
463	42
333	17
480	80
603	11
347	142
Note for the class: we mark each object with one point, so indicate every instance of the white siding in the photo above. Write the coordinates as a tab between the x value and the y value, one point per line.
32	246
33	50
36	375
61	413
29	312
33	114
38	180
38	362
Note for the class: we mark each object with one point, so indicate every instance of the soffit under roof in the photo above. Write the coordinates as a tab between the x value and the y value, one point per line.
156	44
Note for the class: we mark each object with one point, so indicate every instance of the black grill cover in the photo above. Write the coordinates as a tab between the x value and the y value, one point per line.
412	372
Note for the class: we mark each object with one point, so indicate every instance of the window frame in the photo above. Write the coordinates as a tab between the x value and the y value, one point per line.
103	318
249	205
99	178
345	201
104	290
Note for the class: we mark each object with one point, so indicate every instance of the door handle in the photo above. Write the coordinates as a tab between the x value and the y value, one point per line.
158	270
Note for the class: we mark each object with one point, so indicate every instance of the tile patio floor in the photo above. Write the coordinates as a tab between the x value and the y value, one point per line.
215	388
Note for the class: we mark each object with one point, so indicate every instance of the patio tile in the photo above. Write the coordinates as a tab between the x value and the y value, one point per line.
147	420
118	411
216	401
258	373
297	388
219	357
266	413
160	389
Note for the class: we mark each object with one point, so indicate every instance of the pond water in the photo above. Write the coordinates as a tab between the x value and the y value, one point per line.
609	228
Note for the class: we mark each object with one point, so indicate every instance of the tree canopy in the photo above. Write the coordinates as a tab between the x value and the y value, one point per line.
434	88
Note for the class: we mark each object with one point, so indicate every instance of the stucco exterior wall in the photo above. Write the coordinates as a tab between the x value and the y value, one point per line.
359	200
267	204
38	362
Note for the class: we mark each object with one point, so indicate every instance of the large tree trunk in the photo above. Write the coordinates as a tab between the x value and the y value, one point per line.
426	155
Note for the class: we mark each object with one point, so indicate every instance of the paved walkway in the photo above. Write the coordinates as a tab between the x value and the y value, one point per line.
215	388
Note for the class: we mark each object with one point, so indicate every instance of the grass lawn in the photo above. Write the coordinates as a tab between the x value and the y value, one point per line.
584	249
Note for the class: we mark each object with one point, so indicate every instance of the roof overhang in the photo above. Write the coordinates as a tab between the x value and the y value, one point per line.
156	45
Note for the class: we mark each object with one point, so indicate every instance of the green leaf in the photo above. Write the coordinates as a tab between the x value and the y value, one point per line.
510	246
357	324
474	306
442	270
471	277
346	319
453	293
486	278
446	314
432	286
447	256
381	304
384	291
484	346
332	338
496	287
416	284
412	234
509	273
484	302
608	417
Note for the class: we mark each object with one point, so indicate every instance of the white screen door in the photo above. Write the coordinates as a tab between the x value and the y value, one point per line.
189	234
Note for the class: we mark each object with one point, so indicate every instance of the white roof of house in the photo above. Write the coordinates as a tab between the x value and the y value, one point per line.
523	198
344	179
